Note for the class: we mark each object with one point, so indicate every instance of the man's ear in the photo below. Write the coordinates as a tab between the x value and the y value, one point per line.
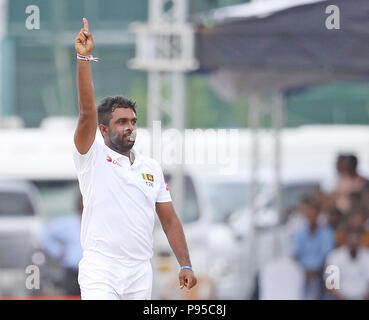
103	129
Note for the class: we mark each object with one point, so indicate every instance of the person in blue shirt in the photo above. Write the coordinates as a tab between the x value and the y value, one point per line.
61	240
311	244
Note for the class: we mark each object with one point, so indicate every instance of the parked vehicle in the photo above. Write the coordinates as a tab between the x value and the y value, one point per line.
210	199
19	226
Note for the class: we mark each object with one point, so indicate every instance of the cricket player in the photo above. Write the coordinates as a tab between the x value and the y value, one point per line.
121	192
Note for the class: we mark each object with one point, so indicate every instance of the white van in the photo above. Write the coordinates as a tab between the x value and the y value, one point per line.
38	182
210	198
20	224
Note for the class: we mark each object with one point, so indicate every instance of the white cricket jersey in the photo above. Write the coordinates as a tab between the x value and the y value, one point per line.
119	202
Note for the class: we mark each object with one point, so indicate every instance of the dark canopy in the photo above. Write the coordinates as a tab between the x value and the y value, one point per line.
271	46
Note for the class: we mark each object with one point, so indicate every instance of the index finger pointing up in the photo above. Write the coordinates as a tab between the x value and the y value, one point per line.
85	24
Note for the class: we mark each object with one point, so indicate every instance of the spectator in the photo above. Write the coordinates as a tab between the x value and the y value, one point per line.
311	244
352	261
326	200
356	219
61	240
355	200
334	218
349	181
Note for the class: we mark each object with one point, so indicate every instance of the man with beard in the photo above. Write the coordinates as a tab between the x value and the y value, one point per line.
121	192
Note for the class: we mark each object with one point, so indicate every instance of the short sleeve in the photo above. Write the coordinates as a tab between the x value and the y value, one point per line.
163	193
84	162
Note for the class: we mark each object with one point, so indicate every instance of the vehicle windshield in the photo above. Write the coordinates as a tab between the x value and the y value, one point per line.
226	197
15	204
58	197
292	195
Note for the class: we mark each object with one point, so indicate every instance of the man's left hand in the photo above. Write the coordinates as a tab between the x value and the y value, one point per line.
187	279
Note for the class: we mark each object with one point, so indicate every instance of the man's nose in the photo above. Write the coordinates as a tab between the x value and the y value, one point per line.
130	127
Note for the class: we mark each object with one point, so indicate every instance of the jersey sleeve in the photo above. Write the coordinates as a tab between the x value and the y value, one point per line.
84	162
163	193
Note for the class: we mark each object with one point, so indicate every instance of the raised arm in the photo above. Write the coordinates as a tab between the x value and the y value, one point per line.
87	122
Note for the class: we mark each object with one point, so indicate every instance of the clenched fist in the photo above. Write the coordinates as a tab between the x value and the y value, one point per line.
187	279
84	42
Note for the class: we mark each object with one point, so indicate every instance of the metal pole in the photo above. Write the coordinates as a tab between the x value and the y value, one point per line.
178	121
178	106
176	81
153	99
254	118
277	119
164	48
3	31
255	112
62	63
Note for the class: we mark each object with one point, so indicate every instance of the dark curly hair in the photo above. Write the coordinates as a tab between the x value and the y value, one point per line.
109	104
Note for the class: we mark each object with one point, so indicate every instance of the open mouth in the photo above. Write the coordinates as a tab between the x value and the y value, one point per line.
132	137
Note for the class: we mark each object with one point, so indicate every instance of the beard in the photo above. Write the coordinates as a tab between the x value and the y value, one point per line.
123	144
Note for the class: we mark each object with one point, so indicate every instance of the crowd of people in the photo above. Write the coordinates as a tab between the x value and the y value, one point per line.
335	232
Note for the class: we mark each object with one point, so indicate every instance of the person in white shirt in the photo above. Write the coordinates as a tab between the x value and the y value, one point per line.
121	192
352	261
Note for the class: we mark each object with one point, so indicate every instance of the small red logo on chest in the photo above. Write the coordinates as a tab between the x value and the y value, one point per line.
109	159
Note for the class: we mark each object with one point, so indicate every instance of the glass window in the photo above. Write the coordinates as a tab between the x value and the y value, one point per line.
191	210
15	250
15	204
292	195
58	197
227	197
